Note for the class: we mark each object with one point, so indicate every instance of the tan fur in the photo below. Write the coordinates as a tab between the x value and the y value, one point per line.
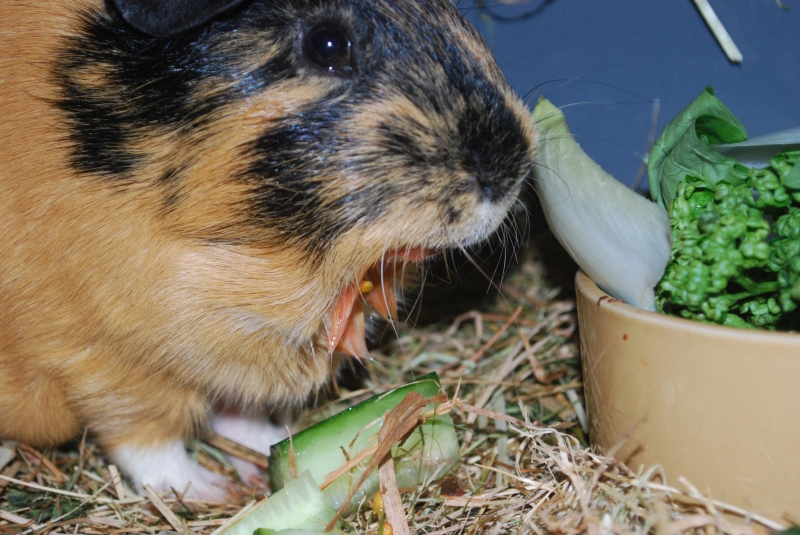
72	347
119	314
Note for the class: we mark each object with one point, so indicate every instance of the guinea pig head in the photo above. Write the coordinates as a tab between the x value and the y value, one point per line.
298	153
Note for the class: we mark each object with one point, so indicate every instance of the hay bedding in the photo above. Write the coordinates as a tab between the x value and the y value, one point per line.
526	465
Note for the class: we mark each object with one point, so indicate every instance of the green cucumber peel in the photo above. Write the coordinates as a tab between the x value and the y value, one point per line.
682	148
298	507
264	531
429	452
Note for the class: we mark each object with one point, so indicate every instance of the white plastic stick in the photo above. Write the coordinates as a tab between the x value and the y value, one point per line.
719	31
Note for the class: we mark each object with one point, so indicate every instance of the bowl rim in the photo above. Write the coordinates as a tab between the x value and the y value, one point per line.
615	307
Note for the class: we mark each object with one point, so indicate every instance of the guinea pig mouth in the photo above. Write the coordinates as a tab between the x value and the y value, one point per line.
345	331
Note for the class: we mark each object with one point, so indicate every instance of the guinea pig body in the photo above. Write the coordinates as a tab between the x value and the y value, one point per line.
185	222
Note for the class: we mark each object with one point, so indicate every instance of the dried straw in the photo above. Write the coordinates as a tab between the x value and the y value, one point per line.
513	376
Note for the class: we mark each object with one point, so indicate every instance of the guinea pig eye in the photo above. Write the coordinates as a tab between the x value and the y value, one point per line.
328	46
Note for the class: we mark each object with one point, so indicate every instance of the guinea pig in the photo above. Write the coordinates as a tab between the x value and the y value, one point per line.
196	203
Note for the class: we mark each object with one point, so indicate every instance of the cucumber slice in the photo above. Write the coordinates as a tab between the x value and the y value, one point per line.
430	452
299	505
263	531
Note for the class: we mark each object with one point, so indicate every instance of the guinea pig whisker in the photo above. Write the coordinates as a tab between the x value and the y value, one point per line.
477	266
505	261
499	260
383	286
418	298
582	78
542	84
512	244
423	279
534	179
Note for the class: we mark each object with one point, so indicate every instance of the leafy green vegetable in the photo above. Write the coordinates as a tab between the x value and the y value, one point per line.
41	505
682	148
736	230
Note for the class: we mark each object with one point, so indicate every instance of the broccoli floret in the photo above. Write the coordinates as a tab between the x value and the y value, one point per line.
736	249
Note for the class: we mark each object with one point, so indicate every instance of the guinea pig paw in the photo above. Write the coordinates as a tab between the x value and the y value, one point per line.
168	469
256	433
250	473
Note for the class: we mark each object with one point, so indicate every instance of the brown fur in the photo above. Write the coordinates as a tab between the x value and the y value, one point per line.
133	315
93	305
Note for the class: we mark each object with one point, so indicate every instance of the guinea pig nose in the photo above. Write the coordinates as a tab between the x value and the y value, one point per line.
482	188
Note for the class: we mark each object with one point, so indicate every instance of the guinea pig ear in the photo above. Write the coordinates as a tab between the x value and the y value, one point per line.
170	18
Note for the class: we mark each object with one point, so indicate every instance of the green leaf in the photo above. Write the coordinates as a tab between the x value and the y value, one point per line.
682	148
792	179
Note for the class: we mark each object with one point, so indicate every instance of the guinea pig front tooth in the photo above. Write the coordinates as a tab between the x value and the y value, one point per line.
353	340
340	316
346	325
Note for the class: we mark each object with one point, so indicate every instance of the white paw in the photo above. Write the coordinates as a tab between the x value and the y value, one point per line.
256	433
167	468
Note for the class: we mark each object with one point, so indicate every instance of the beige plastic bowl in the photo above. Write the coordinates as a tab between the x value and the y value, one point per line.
717	405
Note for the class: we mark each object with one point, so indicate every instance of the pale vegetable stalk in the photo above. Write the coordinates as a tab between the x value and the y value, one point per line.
756	152
617	237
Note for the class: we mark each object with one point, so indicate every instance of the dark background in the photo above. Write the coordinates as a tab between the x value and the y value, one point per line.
605	62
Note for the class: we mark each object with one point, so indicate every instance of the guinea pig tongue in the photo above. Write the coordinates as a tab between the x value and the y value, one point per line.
346	331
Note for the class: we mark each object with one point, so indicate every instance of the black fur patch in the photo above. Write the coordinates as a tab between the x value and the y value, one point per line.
496	164
289	177
119	87
143	85
401	48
